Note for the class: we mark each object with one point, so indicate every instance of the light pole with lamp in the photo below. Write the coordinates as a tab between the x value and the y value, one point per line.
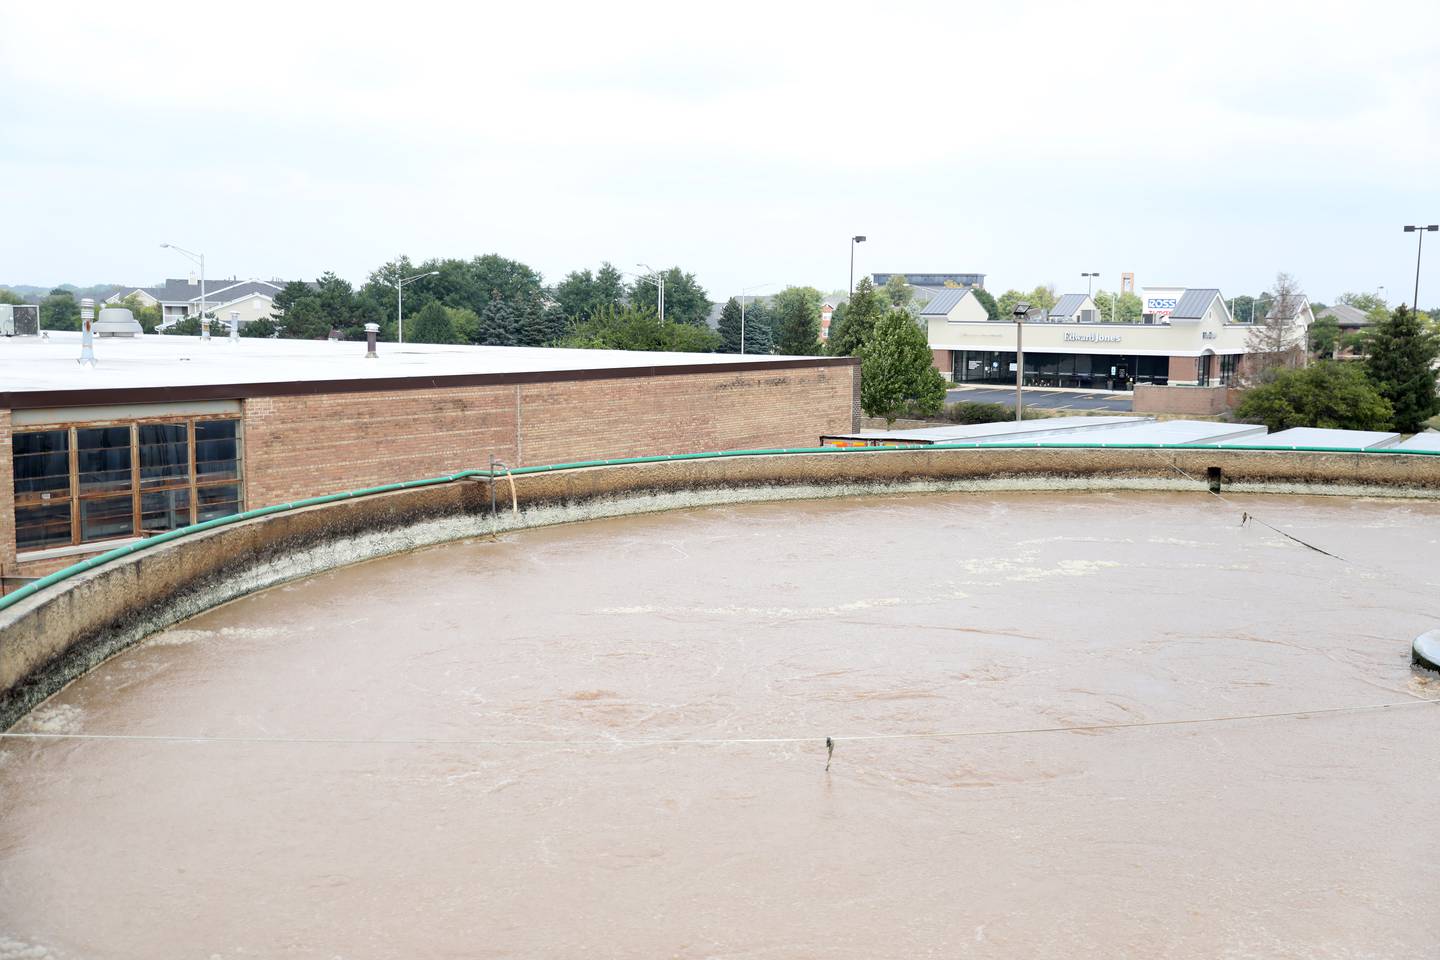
1089	281
659	288
1021	310
742	311
1419	246
854	240
399	286
195	258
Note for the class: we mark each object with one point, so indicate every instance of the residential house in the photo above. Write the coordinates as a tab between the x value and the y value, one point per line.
178	298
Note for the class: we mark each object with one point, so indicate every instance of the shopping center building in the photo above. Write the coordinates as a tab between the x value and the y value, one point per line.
164	431
1186	338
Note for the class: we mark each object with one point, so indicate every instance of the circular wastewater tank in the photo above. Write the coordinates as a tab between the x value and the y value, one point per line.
1088	725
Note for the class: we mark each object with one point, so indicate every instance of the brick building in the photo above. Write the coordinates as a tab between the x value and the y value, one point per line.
166	431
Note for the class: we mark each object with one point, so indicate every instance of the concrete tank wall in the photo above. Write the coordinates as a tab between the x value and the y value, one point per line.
54	636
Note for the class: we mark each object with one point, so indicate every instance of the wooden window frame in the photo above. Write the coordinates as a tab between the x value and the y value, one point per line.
190	484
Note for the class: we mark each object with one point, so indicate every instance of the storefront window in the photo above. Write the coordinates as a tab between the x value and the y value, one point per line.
102	482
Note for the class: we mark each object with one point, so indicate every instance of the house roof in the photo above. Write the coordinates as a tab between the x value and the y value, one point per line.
239	291
1193	303
181	290
1068	305
1346	315
943	301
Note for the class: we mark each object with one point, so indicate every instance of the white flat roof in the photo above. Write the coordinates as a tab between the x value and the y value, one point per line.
1430	440
1318	437
1001	430
29	364
1167	432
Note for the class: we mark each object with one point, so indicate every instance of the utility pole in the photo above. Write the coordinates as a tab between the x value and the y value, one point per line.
854	240
1419	247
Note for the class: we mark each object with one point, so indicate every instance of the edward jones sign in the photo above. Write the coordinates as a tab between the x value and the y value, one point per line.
1095	337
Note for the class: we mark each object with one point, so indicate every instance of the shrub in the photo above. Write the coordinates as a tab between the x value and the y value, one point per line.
1331	394
968	411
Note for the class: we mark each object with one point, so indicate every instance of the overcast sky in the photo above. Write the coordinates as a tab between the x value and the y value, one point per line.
1196	144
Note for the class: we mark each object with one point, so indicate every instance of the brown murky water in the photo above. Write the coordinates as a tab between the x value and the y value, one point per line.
1311	837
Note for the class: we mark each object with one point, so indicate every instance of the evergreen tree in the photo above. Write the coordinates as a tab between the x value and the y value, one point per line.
729	327
759	328
861	313
305	320
797	322
896	372
498	323
540	325
1329	394
432	325
1401	355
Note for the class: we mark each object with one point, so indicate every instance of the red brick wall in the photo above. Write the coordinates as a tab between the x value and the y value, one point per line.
943	362
7	499
1182	368
304	446
1195	401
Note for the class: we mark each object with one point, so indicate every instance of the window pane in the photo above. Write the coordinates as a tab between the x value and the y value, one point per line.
103	458
164	510
218	500
164	454
217	450
106	517
46	525
41	461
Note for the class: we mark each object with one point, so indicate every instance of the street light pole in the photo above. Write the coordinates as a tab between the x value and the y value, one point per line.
399	286
195	258
1021	309
1419	246
853	240
1089	281
659	289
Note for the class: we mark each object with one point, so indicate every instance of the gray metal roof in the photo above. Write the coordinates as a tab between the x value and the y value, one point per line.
1429	440
944	301
1177	432
1346	315
1068	305
1319	437
1194	303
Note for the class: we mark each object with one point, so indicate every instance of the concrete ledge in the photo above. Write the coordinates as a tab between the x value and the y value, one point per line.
54	636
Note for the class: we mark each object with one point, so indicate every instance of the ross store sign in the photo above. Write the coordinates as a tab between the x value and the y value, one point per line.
1092	337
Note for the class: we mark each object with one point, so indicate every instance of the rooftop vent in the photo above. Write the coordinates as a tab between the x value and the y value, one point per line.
117	322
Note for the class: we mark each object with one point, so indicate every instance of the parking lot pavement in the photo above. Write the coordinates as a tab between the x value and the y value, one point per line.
1043	399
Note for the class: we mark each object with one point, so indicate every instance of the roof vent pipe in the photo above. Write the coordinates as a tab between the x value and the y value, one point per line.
87	337
205	327
372	332
234	326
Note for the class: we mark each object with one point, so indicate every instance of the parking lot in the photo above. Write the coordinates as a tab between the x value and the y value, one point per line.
1044	399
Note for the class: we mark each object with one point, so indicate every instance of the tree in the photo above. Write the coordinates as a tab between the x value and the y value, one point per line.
1274	341
336	298
797	320
433	325
629	328
1121	308
148	317
729	327
1324	337
498	323
896	372
986	301
466	323
581	293
1401	364
10	296
288	294
685	300
1363	301
855	326
59	311
188	327
263	328
897	291
1328	394
305	320
539	324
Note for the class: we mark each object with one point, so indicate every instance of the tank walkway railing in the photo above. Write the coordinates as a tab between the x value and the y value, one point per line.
90	563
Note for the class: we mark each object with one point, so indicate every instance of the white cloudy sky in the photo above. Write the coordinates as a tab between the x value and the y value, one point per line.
1201	144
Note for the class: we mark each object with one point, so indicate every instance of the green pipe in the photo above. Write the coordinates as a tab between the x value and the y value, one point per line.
90	563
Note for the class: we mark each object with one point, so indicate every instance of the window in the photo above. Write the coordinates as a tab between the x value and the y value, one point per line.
1202	371
42	489
105	481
